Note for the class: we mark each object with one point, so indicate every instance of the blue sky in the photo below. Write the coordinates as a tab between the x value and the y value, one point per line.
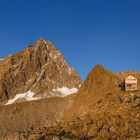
87	32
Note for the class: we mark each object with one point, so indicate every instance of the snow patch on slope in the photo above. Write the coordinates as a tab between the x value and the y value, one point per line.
47	47
65	91
28	96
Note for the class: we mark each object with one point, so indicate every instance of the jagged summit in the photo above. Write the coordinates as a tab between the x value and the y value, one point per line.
39	70
41	39
41	42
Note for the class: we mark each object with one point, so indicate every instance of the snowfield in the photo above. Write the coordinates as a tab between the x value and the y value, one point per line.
65	91
28	96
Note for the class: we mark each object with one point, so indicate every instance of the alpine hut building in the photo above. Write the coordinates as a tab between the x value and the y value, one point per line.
131	83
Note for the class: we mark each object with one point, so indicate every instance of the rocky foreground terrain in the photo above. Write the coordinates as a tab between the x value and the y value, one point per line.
100	110
115	117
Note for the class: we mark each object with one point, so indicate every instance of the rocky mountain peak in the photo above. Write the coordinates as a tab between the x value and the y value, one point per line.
97	71
98	78
99	67
39	70
42	43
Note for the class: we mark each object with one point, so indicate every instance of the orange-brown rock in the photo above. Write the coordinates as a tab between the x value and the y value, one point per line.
39	68
101	110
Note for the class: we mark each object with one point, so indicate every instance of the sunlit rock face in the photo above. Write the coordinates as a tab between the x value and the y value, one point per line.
38	69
